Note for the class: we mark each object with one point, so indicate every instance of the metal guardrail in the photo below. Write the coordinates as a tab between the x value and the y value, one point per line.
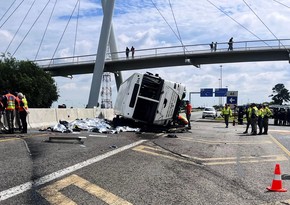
171	50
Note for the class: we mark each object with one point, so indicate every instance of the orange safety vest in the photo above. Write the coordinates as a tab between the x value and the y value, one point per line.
10	102
25	105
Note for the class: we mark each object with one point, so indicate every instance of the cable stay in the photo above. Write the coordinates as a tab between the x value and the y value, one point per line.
282	4
177	27
166	21
20	25
76	31
64	31
31	27
239	23
263	23
7	10
45	30
12	13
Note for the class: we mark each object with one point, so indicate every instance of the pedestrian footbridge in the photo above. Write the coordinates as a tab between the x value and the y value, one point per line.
196	55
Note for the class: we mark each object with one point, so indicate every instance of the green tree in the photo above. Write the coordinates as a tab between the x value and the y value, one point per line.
280	94
25	76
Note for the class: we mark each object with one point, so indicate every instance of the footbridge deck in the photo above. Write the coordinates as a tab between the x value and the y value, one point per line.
196	55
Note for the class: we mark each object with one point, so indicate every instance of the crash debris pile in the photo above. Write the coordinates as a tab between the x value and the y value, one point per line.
90	125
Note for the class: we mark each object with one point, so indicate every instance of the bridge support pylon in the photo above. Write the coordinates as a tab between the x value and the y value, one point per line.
108	9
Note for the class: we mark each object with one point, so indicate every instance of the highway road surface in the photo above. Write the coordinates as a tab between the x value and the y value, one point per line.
209	164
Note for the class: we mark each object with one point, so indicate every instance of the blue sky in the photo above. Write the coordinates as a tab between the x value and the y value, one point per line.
139	23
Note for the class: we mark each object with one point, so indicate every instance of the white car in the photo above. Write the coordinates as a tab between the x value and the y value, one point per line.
209	112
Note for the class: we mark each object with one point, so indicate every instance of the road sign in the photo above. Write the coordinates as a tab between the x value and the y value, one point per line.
220	92
232	97
232	93
232	100
206	92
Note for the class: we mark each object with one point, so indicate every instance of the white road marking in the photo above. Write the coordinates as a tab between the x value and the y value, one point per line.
6	194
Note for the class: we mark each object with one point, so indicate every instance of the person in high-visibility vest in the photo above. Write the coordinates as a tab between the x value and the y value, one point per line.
23	111
260	118
226	114
9	102
267	114
248	119
254	117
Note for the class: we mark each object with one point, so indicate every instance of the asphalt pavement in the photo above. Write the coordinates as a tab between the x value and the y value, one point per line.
209	164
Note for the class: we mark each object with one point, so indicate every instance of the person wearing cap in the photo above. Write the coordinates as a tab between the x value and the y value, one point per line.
23	111
226	114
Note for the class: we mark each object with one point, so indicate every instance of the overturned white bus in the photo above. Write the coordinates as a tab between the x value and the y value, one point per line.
148	99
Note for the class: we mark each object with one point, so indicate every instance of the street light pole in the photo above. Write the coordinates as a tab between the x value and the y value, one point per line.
221	84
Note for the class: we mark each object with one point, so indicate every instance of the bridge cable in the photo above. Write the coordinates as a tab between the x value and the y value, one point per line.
45	30
63	32
7	10
76	32
282	4
238	23
263	23
166	21
12	13
20	25
31	27
176	27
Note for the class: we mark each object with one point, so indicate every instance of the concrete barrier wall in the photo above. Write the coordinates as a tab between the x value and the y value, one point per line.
43	118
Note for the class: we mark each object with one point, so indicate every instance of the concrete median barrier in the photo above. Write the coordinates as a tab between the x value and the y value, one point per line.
43	118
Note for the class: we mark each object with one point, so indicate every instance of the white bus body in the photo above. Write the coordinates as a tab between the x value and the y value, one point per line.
149	99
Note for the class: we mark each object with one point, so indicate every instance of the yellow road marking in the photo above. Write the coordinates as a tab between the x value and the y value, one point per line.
225	142
280	145
18	138
211	161
53	195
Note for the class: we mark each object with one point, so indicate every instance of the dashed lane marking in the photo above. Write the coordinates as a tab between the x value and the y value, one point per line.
6	194
52	193
211	161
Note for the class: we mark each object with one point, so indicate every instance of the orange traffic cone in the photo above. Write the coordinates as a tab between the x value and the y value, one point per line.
277	181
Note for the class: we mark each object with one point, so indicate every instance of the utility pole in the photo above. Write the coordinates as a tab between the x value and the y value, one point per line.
221	84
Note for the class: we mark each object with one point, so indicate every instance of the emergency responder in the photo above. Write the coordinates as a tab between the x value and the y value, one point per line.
254	116
267	115
23	111
248	111
1	113
260	118
9	102
188	110
17	117
226	114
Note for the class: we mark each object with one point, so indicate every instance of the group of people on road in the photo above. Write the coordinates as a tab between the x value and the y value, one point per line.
258	117
13	107
128	51
281	115
213	46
